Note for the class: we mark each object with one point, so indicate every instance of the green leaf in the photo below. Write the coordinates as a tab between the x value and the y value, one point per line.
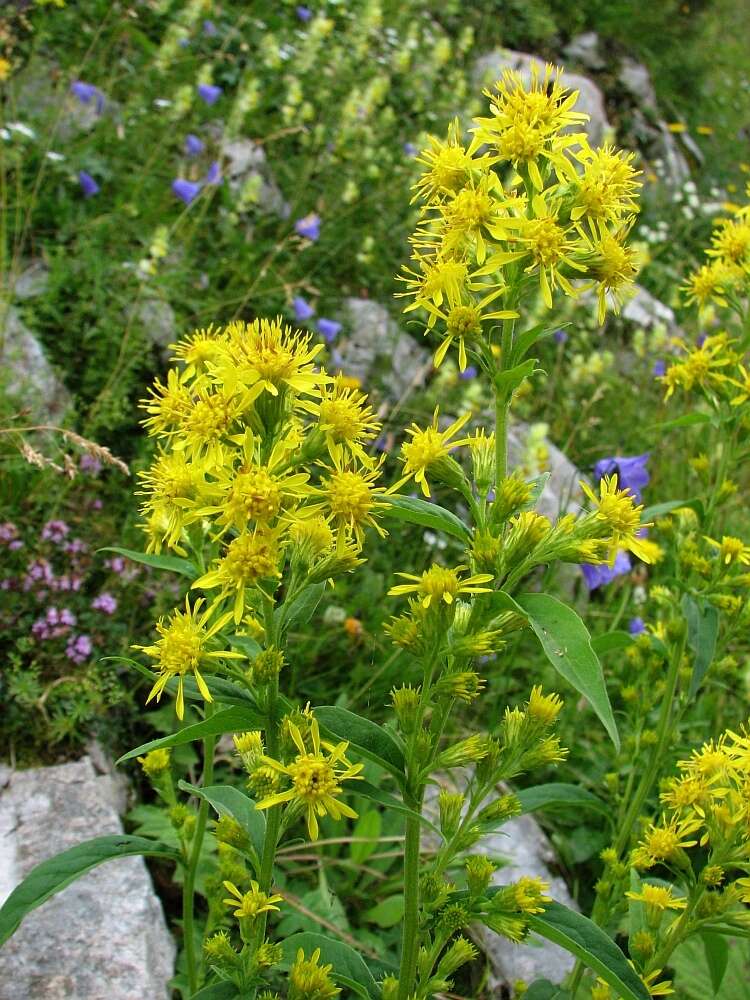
367	829
171	563
702	632
230	720
567	643
392	803
717	957
560	796
370	739
349	967
526	340
508	380
582	938
246	644
54	874
543	989
636	909
428	515
660	509
217	991
686	420
387	913
537	488
230	801
300	610
611	640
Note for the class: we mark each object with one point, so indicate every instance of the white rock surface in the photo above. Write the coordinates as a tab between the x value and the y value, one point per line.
27	376
244	159
562	493
102	938
644	310
488	68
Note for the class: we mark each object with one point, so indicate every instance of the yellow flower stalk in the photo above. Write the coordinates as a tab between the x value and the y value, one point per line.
428	447
441	585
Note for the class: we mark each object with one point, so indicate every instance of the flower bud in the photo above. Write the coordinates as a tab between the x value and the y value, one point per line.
405	702
479	871
450	804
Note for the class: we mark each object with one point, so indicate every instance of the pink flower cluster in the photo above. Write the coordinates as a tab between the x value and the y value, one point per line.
56	622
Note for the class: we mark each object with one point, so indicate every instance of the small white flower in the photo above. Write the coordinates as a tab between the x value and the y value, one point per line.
55	157
23	129
162	102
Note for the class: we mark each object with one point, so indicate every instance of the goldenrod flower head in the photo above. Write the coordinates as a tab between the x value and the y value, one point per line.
529	894
437	280
664	842
440	584
701	367
167	404
347	421
249	905
730	241
608	188
655	989
352	497
468	216
206	423
184	644
448	165
308	980
743	385
551	246
707	284
315	778
173	485
621	515
427	448
731	550
249	746
543	708
612	264
250	558
198	351
155	762
270	357
311	536
479	870
657	899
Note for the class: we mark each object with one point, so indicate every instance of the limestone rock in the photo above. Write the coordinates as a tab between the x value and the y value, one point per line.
373	345
31	282
525	850
102	938
488	68
562	493
644	310
245	160
158	320
584	50
28	379
636	79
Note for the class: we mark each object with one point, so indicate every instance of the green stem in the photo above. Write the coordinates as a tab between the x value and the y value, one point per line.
408	970
663	734
501	438
188	888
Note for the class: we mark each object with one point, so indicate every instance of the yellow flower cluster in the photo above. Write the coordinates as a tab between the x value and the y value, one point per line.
724	280
560	211
263	458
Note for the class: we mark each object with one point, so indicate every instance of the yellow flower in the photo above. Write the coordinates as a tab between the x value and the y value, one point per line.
347	421
5	68
437	280
731	550
315	778
527	118
173	485
168	404
607	188
622	516
207	422
184	644
529	894
612	264
250	558
655	989
198	350
352	497
700	367
265	356
310	981
743	386
441	584
427	447
665	842
707	284
657	899
249	905
730	241
448	165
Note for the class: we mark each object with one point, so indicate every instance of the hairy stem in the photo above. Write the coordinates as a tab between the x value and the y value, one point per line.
408	970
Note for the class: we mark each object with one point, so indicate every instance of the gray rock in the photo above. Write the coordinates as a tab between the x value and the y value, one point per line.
31	282
28	379
636	79
642	309
562	493
524	849
43	94
488	68
584	50
156	316
245	160
376	351
102	938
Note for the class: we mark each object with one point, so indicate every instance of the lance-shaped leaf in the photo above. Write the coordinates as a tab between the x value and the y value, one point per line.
370	739
428	515
172	564
300	609
702	632
582	938
349	968
230	801
567	643
717	957
230	720
54	874
560	796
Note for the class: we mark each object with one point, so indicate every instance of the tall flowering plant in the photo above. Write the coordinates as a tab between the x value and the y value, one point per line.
264	490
